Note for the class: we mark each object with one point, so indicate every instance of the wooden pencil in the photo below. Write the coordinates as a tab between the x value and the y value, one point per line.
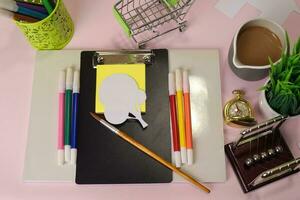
149	153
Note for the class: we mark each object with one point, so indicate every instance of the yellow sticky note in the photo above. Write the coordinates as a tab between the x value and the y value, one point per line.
136	71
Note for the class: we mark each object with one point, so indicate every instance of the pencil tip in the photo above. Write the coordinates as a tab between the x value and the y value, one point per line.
93	115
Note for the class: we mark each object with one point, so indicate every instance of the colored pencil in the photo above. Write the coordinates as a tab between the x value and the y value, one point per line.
31	6
24	18
150	153
17	16
48	6
12	6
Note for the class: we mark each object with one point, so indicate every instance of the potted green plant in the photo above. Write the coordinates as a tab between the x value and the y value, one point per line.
281	93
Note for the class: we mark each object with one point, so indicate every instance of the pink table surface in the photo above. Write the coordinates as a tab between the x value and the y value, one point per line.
95	28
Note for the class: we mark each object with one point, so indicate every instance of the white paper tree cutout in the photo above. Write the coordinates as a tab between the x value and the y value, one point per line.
277	10
121	96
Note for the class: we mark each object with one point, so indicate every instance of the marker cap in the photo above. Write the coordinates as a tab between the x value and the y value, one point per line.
172	89
185	81
67	153
62	81
178	80
60	157
177	158
183	155
73	156
69	78
76	82
190	156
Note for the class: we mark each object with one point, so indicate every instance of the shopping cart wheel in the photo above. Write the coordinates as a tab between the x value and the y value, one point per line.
142	46
182	27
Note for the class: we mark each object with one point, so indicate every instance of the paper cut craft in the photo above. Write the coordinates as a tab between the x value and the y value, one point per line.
121	96
277	10
135	71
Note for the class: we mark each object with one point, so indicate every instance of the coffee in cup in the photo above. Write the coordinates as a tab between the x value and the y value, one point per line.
256	44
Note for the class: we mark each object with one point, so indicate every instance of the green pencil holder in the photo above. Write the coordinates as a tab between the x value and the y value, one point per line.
53	32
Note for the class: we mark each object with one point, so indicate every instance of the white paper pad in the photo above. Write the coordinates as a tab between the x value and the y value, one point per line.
206	111
41	153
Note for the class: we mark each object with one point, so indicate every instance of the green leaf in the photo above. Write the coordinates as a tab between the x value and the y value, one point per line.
274	70
289	74
269	96
296	59
278	101
298	96
283	89
293	105
296	49
288	48
284	62
264	88
297	111
284	107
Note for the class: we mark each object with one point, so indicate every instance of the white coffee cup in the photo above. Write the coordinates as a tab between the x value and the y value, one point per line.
255	72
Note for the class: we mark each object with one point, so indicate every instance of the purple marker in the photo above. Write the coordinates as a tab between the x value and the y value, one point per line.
34	7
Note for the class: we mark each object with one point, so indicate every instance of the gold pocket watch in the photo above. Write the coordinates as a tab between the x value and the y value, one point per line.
238	111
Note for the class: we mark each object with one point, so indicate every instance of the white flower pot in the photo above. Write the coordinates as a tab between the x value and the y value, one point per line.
265	108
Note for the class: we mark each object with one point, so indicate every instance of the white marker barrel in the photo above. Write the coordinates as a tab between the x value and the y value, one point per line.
69	79
76	83
185	81
172	88
62	82
178	80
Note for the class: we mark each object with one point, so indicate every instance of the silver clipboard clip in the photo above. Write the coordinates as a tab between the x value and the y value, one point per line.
122	57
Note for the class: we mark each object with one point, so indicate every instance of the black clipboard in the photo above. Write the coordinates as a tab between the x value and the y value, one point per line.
104	158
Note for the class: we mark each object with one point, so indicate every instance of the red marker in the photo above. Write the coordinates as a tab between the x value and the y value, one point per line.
173	113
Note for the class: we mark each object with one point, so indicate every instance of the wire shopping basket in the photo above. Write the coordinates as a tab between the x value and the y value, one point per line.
144	20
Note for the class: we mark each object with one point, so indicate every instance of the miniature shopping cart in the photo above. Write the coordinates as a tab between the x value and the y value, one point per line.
144	20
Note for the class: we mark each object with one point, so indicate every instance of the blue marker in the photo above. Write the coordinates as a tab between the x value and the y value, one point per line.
35	7
12	6
74	117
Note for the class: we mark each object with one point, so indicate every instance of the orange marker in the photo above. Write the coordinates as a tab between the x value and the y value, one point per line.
188	120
